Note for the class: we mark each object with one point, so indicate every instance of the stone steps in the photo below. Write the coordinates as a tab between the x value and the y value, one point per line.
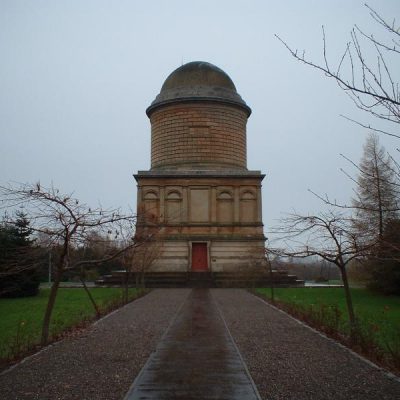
204	279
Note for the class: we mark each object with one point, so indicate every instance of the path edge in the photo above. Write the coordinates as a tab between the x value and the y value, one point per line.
175	316
388	374
257	393
58	342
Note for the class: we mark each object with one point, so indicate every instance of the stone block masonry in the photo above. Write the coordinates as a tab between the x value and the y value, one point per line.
199	193
191	135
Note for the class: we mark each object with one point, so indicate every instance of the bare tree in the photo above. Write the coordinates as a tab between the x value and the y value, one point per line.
67	223
327	235
370	81
145	255
270	271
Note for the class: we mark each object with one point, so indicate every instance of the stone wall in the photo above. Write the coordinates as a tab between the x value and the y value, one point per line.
229	256
216	202
224	256
220	210
174	257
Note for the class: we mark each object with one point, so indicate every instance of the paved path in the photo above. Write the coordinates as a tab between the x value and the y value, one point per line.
286	360
196	359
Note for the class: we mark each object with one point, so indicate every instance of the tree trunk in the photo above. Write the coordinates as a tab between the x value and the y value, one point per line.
271	278
96	308
142	281
349	302
125	285
378	187
50	307
126	292
137	281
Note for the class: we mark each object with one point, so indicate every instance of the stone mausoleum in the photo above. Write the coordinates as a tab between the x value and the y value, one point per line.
199	194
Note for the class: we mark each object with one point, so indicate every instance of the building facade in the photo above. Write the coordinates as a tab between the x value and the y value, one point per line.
204	202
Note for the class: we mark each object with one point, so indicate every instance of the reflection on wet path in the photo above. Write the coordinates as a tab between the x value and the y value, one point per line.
196	358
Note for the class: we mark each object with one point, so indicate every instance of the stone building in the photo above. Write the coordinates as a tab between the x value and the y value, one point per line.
199	192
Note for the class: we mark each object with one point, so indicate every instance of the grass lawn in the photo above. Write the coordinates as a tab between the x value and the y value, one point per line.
378	315
21	318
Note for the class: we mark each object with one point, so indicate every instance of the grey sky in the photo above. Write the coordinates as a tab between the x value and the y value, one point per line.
77	76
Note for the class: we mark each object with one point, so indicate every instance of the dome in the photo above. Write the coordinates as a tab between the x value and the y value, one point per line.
198	81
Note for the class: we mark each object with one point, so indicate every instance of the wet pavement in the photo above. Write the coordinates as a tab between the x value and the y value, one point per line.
195	359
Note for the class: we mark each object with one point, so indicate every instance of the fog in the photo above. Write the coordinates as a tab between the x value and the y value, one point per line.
77	76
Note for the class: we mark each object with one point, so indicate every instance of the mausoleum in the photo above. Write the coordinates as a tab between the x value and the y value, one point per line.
199	194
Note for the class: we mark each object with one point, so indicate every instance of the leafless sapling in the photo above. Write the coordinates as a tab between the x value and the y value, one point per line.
328	235
67	223
148	247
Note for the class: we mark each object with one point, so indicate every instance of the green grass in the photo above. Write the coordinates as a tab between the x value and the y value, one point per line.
21	319
378	316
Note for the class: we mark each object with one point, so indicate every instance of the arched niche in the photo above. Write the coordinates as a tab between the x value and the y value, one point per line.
225	207
248	206
151	205
173	205
174	195
225	196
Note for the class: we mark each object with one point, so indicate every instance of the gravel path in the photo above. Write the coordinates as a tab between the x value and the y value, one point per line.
286	360
102	362
289	361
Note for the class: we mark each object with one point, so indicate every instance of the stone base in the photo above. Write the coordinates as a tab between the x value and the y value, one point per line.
223	256
250	279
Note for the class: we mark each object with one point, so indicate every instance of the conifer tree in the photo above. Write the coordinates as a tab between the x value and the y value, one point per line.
377	192
19	267
376	216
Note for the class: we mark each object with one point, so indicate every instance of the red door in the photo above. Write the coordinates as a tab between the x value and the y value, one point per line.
199	257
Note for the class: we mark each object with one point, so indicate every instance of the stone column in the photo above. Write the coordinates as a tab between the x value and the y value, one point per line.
236	204
162	204
185	205
213	204
259	204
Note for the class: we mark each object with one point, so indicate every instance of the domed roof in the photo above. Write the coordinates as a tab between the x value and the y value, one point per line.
198	81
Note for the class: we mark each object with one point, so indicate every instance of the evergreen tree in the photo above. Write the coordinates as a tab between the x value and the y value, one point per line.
23	230
376	216
384	269
18	268
377	192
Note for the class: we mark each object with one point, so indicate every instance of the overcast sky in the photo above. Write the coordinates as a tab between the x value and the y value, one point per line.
77	76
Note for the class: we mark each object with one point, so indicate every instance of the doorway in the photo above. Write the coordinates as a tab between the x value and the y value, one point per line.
199	257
